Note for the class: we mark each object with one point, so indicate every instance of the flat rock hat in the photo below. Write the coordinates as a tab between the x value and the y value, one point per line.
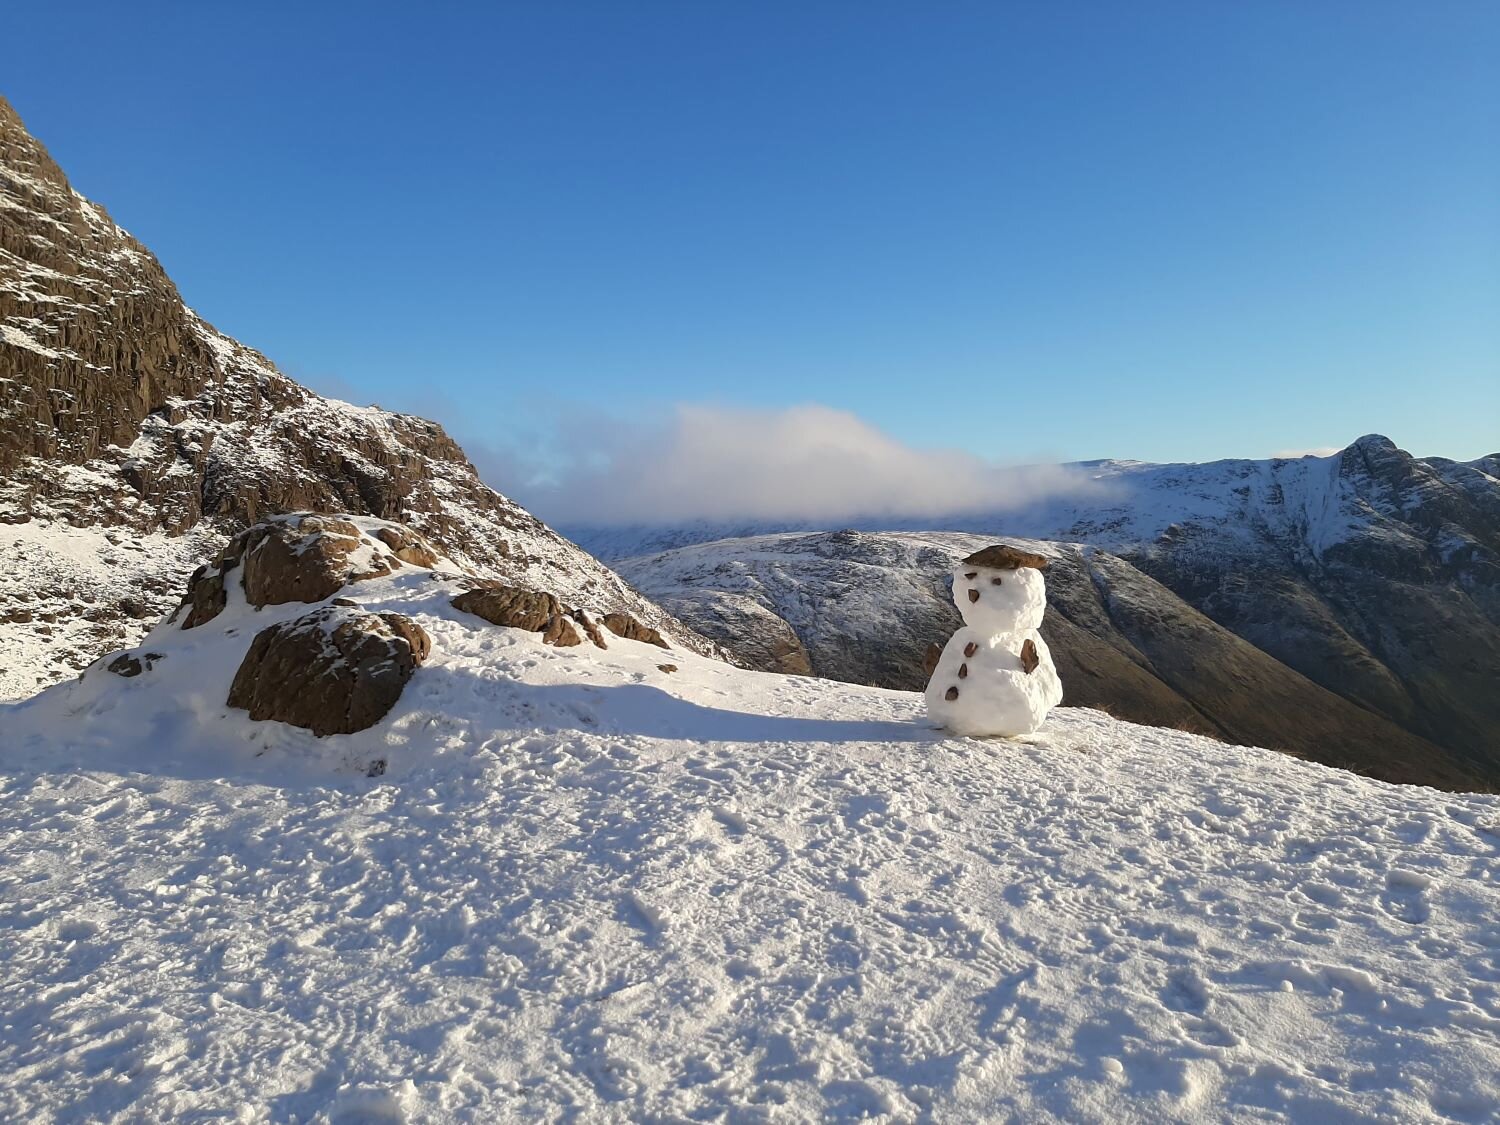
1000	557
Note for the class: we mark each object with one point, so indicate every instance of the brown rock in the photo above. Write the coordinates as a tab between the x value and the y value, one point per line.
414	635
125	665
963	671
408	546
973	595
1001	557
134	608
561	632
590	626
335	670
1029	657
970	649
129	664
930	659
205	596
951	694
667	667
302	558
511	606
297	560
623	625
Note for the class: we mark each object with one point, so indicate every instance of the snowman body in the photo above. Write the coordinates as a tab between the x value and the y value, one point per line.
995	676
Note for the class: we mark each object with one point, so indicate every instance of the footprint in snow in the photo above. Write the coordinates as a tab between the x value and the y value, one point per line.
1405	896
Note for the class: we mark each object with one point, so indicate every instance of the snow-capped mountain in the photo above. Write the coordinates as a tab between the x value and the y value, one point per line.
620	884
862	607
135	438
1371	573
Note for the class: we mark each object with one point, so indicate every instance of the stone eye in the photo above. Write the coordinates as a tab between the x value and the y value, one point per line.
972	574
996	581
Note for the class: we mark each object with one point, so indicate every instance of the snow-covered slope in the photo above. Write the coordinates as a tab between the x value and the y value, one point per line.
589	887
128	420
1371	573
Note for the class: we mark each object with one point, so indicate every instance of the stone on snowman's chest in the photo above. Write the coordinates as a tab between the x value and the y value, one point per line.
970	653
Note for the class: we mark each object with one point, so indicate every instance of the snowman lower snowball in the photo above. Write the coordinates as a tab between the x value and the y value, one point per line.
995	676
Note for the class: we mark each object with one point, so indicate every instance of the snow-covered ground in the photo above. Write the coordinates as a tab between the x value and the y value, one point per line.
590	887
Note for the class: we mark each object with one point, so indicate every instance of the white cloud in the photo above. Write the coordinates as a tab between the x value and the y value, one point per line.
800	463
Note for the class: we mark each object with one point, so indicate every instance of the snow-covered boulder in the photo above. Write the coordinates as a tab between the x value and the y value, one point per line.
303	557
336	670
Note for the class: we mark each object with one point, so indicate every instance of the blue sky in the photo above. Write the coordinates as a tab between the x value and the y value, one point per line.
1029	230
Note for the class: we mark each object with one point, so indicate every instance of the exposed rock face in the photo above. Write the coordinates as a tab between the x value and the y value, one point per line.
623	625
132	664
540	612
591	627
510	606
302	557
562	632
869	606
408	546
335	670
120	409
95	335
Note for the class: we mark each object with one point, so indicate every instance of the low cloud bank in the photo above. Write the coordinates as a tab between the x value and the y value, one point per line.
803	463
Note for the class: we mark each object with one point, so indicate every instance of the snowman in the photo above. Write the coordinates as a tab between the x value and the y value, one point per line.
995	675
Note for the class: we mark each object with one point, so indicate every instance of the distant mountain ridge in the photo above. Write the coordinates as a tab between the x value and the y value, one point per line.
1371	573
134	438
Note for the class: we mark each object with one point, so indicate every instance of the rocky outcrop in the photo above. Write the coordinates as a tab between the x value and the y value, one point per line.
120	409
95	335
303	557
623	625
408	546
538	612
335	670
132	664
510	606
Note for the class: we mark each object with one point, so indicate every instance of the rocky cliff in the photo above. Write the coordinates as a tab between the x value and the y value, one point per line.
134	437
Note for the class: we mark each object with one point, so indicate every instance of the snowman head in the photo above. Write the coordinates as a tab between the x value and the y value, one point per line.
1001	590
